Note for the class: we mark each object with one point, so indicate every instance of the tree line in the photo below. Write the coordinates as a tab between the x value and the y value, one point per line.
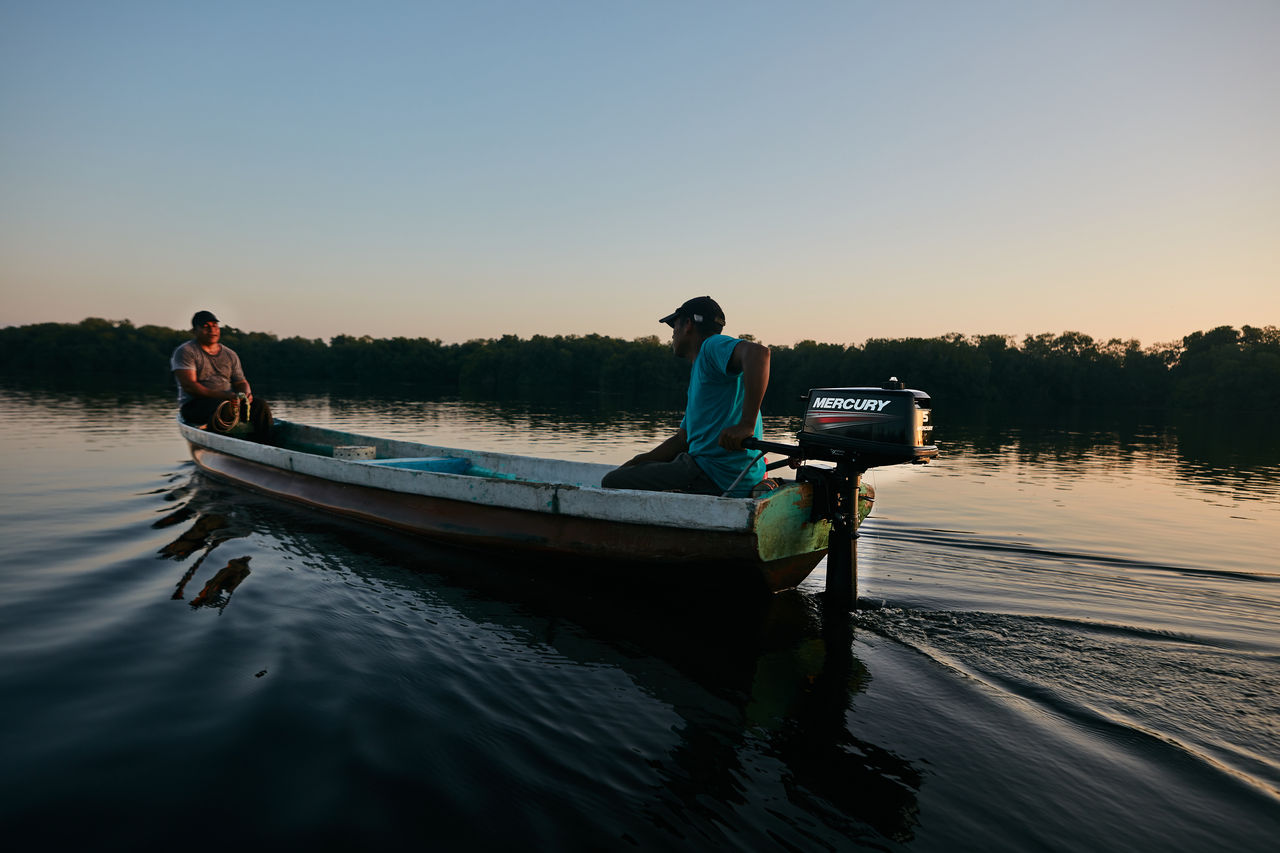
1223	368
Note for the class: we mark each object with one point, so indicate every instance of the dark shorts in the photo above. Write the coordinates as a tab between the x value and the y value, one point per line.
681	474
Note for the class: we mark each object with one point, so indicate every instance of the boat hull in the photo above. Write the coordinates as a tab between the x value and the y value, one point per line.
686	540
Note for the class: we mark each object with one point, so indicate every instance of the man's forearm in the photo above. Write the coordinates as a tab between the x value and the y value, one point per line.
198	389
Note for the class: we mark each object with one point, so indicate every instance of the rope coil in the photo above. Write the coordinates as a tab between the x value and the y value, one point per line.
227	416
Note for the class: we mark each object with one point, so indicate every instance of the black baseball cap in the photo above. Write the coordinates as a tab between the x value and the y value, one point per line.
202	317
702	309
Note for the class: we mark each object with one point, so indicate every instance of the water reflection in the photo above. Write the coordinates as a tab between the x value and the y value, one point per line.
1213	456
217	592
1241	455
194	538
209	530
783	679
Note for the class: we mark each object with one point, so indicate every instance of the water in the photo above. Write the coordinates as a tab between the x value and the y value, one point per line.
1067	641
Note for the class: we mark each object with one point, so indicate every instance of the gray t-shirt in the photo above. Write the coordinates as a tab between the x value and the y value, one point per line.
217	372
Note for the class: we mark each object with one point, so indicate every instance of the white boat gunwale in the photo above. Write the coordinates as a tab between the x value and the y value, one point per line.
581	496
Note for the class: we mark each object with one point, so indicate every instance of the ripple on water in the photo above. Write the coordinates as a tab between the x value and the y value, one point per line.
1185	692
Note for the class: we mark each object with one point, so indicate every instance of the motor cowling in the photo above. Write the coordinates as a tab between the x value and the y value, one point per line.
888	425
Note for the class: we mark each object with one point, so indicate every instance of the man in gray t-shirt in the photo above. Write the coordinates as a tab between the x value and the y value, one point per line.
209	374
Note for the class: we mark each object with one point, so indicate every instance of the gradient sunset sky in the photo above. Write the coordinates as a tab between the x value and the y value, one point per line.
827	170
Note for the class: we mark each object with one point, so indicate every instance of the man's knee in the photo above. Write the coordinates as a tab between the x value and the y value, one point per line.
260	415
620	478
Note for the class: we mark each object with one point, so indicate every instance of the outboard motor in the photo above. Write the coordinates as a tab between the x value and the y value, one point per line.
856	428
873	426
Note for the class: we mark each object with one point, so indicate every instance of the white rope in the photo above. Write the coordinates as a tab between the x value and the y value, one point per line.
221	423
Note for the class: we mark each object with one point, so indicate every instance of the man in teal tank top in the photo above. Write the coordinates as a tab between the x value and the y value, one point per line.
727	381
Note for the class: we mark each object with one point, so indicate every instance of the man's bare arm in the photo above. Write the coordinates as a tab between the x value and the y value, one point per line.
187	379
752	361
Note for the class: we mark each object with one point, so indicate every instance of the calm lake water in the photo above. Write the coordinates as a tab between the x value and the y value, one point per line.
1068	639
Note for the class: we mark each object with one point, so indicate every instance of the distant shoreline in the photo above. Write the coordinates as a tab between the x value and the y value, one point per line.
1222	368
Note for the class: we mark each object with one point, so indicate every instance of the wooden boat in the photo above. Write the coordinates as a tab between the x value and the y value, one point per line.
537	507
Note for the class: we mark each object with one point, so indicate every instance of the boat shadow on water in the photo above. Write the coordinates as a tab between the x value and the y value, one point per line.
787	674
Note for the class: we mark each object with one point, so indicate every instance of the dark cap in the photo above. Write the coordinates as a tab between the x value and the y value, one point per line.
202	317
701	309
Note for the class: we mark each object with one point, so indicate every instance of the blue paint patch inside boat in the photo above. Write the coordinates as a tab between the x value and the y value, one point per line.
436	464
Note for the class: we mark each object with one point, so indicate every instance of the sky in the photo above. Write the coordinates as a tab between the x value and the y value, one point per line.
833	171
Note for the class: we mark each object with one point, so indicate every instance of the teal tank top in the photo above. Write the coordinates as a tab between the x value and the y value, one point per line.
714	403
